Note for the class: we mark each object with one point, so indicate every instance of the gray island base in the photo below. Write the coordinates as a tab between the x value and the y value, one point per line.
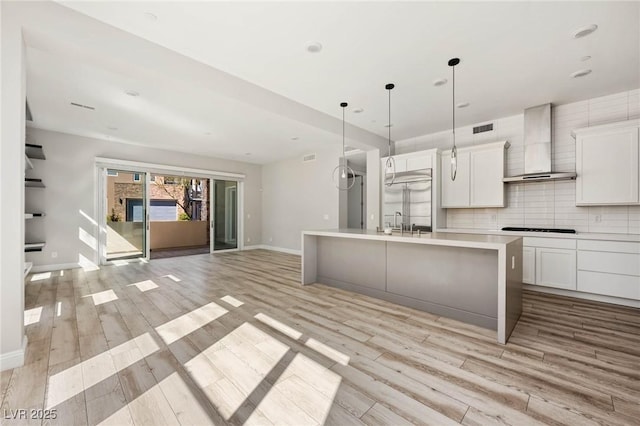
472	278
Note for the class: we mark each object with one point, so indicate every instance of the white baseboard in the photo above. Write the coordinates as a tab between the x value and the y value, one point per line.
586	296
14	359
273	248
51	268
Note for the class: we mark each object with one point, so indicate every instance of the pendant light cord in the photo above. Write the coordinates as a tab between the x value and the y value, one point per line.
343	155
389	122
453	106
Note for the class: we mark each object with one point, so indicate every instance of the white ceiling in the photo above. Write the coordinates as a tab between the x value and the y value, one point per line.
514	55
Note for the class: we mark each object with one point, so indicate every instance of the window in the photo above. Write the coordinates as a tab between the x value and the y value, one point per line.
112	172
171	180
136	177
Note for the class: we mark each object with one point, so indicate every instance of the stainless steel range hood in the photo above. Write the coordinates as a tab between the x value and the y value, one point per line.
538	148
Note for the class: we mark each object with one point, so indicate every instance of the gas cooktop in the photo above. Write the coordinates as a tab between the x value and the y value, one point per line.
561	231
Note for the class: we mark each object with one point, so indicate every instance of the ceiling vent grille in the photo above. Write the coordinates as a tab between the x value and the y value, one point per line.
482	129
309	157
82	106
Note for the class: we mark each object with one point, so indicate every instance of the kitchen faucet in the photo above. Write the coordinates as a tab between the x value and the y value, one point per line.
395	219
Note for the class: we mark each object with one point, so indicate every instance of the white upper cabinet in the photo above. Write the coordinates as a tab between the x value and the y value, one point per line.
455	193
479	178
607	160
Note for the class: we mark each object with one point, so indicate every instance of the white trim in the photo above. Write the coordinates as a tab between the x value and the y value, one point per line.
137	166
52	268
274	248
240	213
587	296
15	358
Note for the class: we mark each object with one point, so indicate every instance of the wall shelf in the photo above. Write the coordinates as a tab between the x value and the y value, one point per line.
33	215
34	151
33	183
32	247
28	165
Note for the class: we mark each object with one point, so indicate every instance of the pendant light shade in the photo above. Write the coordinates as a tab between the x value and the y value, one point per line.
454	151
343	175
390	165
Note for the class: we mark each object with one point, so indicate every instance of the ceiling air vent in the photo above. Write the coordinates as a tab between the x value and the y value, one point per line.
309	157
482	129
82	106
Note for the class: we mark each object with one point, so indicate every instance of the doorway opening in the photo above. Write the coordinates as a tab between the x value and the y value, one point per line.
179	216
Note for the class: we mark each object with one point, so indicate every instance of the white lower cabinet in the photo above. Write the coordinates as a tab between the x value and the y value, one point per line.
556	268
549	262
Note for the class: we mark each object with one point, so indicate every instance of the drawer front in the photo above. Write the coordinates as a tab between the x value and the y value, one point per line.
624	286
560	243
615	263
612	246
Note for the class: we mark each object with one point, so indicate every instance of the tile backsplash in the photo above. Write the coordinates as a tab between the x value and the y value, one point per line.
544	204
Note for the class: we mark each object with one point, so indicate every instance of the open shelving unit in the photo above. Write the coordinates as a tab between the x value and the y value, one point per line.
32	152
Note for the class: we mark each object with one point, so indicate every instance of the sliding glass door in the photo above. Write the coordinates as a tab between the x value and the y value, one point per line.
126	212
224	205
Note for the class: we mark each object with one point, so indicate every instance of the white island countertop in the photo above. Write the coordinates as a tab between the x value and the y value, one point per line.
481	241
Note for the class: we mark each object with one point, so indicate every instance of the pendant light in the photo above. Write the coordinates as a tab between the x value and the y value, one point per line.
454	151
390	165
343	176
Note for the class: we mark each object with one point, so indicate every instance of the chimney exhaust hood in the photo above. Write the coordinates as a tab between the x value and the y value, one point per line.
538	148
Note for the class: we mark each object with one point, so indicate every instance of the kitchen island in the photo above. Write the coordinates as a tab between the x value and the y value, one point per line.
468	277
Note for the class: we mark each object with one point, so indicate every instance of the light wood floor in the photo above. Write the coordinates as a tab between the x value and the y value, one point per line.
233	338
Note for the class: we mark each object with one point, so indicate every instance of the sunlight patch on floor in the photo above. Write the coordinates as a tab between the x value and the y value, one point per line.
189	322
68	383
41	276
172	277
327	351
277	325
241	360
32	316
232	301
58	309
145	285
103	297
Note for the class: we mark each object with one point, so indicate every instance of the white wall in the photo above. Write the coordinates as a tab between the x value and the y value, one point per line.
12	118
70	179
297	196
543	204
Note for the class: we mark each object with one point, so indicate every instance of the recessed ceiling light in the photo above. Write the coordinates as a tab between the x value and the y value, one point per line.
462	105
585	58
132	93
247	153
112	128
580	73
358	110
439	82
295	138
314	47
150	16
584	31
